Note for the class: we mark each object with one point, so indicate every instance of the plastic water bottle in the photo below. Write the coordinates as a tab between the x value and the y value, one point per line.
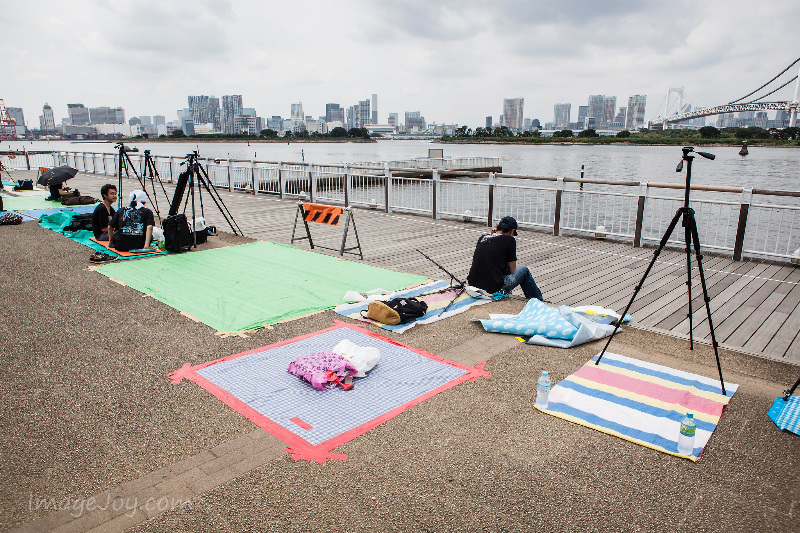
543	390
686	438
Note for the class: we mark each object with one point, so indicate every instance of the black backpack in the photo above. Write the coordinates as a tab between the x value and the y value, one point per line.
408	308
177	235
79	222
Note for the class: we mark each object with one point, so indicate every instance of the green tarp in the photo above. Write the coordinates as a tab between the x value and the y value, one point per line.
246	286
24	203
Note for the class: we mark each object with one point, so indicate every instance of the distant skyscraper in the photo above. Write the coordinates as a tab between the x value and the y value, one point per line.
609	111
106	115
297	114
513	112
527	124
635	116
205	110
333	110
393	119
414	119
374	108
583	112
619	120
562	114
363	114
78	114
488	122
133	121
47	123
231	108
16	114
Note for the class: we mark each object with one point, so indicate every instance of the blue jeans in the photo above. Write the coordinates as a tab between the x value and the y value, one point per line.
522	277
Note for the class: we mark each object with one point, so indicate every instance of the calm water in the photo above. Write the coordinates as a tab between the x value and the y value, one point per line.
773	168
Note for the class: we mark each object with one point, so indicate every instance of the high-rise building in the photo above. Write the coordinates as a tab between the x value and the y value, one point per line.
275	123
583	112
596	107
78	114
297	115
526	124
374	109
393	120
415	120
47	124
513	112
106	115
635	116
562	113
334	113
158	120
760	120
609	111
205	110
363	113
488	122
231	108
619	120
133	121
19	119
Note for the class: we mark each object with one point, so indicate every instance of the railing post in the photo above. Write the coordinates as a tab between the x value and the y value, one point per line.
230	177
281	181
253	176
27	157
744	209
436	190
557	214
83	156
312	183
170	169
56	155
581	177
348	182
387	172
105	168
637	236
490	208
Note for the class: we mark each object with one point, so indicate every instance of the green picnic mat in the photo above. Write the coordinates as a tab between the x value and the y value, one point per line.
246	286
25	203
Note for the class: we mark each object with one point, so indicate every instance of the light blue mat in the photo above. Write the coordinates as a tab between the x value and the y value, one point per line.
786	414
259	379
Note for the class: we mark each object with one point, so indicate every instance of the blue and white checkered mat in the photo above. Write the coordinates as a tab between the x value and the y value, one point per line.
786	414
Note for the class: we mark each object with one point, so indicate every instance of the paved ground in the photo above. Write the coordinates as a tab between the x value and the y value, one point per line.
87	411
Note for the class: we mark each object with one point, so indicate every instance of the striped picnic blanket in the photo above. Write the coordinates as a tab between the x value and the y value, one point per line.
641	402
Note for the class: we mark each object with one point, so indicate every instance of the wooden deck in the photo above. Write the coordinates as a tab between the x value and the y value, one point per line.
755	304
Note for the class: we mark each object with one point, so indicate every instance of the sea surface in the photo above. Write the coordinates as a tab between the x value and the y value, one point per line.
768	168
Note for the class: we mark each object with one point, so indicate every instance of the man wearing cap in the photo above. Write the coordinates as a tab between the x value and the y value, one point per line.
133	224
494	263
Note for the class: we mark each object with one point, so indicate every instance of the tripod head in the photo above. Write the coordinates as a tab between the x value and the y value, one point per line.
121	146
686	157
191	158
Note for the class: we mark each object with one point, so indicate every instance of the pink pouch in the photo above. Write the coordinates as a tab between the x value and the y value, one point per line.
322	369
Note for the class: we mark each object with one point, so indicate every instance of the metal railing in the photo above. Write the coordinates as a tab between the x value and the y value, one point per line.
729	221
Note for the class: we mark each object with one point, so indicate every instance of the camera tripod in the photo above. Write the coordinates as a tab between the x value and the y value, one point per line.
196	178
460	285
124	162
686	214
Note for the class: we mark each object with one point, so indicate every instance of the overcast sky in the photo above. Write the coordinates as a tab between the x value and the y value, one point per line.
454	61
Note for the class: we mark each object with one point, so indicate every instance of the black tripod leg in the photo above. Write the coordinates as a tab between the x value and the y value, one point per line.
688	239
699	254
638	287
789	392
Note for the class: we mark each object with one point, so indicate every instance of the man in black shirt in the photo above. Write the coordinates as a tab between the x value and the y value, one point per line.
494	263
133	224
104	213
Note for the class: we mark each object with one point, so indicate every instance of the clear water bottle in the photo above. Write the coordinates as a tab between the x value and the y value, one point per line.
686	438
543	390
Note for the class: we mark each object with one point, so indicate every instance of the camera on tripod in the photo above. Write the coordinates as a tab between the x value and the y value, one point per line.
122	146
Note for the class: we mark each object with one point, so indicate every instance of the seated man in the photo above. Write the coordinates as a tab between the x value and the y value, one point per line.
104	213
494	263
133	224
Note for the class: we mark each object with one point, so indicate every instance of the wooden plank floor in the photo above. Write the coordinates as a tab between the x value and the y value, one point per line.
755	304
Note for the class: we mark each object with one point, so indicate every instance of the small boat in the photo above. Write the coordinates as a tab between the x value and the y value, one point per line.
743	151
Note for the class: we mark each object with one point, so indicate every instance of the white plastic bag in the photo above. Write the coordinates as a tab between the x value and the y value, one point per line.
363	358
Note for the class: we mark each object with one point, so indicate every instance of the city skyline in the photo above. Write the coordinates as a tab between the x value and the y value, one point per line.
454	62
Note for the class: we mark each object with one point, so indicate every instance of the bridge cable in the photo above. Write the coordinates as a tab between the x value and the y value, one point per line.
770	81
776	90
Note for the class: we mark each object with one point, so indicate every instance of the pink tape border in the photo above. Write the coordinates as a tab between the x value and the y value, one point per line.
298	447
